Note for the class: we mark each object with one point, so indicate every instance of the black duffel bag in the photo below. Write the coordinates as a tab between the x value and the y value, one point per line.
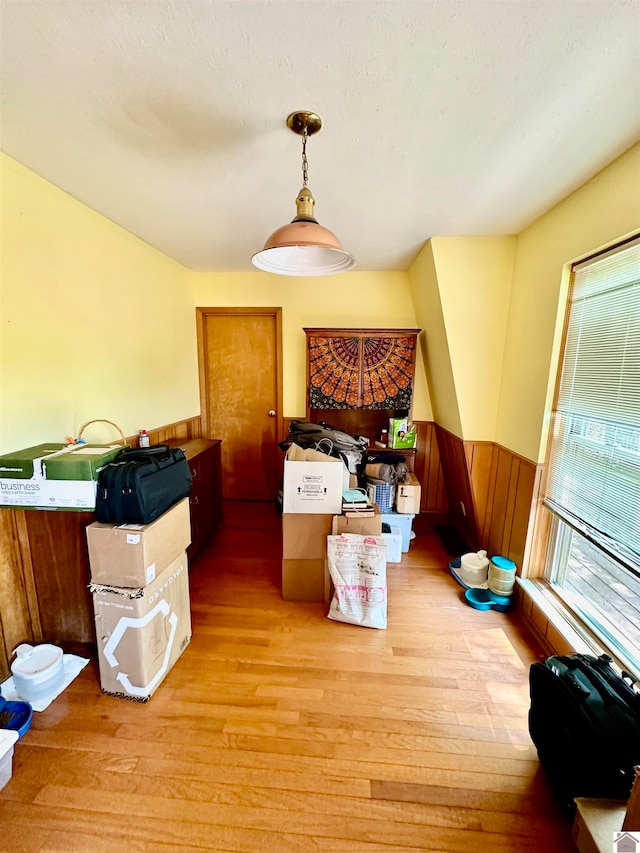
585	722
142	483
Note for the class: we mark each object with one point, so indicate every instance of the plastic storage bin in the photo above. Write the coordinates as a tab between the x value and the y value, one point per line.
37	670
394	544
7	740
404	522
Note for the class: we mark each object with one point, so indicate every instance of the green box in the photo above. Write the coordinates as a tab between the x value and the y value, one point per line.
20	463
84	463
53	476
402	434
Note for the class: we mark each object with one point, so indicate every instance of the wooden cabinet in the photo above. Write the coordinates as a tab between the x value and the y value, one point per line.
205	500
44	567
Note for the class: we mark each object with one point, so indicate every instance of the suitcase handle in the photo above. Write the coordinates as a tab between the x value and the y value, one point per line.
142	454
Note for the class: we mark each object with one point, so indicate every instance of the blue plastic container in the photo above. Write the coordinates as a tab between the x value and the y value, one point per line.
15	716
484	599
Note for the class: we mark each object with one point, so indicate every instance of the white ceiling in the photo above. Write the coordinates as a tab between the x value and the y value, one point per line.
439	117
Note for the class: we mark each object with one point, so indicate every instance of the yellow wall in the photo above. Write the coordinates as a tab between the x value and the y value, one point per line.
94	322
358	299
604	209
493	308
423	281
474	280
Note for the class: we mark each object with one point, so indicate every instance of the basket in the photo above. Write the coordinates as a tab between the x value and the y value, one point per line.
102	421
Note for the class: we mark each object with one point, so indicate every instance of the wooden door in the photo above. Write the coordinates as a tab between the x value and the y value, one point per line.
240	382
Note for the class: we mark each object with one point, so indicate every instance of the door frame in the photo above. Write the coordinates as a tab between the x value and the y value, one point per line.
201	319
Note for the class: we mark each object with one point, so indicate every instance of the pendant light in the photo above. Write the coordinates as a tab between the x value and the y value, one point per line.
303	247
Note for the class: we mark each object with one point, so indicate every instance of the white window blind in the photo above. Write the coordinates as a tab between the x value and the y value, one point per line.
594	470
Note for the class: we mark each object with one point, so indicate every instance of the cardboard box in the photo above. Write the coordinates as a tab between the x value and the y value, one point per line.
408	496
304	537
142	633
132	555
313	482
53	476
632	816
303	580
595	823
366	525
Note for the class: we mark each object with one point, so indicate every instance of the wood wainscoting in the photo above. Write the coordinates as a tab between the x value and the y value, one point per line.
24	614
497	488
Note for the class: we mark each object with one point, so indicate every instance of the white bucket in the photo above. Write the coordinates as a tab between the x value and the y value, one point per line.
502	575
37	670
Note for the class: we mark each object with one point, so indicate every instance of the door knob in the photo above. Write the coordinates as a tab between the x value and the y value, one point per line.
272	413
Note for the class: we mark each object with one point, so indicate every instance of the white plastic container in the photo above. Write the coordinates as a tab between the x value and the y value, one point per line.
7	740
37	670
474	568
401	520
394	545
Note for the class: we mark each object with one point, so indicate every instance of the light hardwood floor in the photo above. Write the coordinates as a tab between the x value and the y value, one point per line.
279	730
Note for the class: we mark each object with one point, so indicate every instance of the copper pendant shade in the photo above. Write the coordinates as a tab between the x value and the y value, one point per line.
303	247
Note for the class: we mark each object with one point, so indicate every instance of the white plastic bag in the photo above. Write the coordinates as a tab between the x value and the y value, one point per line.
358	569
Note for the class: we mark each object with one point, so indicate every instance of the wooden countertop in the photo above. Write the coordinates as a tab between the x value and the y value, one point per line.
193	446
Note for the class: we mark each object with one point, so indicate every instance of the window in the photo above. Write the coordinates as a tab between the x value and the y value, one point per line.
593	480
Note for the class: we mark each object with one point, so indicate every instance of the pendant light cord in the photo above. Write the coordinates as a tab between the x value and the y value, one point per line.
305	162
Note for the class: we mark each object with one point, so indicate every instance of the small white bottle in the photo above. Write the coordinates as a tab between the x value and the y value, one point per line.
143	438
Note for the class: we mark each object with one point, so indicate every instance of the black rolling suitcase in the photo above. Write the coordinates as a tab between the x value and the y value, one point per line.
585	722
140	484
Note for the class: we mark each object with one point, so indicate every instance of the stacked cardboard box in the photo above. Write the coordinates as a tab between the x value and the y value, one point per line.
140	588
312	495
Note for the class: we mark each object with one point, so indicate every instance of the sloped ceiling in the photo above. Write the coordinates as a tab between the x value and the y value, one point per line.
440	118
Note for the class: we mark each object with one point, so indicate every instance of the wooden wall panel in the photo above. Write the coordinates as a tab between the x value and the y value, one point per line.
428	469
181	430
457	480
503	492
18	610
479	456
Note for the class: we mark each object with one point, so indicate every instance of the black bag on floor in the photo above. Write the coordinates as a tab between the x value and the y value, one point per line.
585	722
140	484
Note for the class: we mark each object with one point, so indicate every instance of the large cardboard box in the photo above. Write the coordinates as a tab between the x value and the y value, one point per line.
304	549
142	633
304	537
132	555
408	496
53	476
313	482
303	580
365	525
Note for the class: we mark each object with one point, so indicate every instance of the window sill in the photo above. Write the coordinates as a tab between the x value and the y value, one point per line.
558	626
